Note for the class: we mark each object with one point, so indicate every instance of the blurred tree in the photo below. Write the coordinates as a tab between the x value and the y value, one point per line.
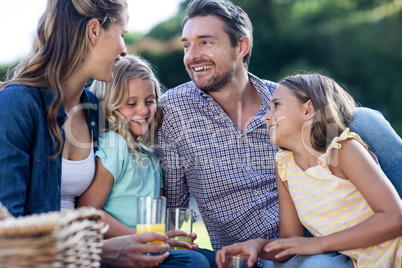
3	71
167	29
354	41
132	38
359	49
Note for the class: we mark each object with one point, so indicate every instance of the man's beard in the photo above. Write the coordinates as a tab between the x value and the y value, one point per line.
217	82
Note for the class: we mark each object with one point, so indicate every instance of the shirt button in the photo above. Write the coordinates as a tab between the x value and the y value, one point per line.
93	123
256	192
263	211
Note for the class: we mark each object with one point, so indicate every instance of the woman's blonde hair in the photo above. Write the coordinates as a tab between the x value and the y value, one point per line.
333	106
112	95
60	46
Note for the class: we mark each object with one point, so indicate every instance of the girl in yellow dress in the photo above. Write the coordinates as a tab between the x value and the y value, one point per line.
328	181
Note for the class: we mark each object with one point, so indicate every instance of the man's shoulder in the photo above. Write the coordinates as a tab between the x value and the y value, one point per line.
264	87
263	83
181	93
269	84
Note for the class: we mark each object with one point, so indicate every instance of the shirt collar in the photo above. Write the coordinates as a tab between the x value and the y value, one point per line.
263	93
258	84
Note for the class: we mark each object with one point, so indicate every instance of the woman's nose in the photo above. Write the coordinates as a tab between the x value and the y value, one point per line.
124	53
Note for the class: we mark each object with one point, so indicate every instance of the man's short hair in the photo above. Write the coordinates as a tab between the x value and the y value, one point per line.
235	18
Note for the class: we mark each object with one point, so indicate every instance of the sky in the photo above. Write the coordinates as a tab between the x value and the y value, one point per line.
18	20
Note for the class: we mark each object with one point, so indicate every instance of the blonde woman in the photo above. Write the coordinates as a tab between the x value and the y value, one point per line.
49	121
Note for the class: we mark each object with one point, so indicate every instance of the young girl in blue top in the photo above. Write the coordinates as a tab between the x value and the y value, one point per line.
125	167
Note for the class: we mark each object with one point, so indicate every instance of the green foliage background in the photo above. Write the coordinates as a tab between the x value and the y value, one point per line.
356	42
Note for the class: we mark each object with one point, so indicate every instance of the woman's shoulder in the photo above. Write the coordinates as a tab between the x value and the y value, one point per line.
21	98
19	93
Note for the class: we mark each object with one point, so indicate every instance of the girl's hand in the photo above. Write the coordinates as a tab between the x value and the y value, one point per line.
295	245
249	247
132	250
194	246
178	243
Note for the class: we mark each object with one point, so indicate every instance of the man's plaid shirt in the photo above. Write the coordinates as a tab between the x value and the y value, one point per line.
231	174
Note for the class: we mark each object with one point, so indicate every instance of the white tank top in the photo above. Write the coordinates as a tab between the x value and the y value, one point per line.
76	176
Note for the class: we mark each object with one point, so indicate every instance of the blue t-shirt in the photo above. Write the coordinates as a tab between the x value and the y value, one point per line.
134	176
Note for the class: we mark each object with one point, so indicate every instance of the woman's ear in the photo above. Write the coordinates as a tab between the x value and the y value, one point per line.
310	111
93	30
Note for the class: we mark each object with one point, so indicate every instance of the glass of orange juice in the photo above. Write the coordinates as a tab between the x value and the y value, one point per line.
151	215
180	219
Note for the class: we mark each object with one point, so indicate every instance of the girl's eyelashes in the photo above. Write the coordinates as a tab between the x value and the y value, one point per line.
150	102
133	101
273	105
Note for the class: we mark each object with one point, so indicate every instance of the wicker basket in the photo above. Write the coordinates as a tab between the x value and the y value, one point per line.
55	239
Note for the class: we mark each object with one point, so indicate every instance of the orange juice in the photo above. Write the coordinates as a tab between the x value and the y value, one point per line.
186	239
154	227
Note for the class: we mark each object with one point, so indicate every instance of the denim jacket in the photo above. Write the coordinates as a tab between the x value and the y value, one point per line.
29	178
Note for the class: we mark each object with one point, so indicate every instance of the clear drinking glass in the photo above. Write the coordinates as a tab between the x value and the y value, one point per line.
180	219
151	215
236	261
